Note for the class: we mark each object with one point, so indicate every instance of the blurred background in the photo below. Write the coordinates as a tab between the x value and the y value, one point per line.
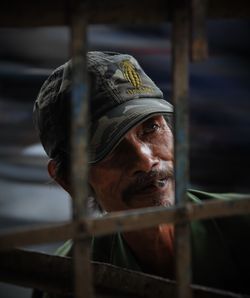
219	113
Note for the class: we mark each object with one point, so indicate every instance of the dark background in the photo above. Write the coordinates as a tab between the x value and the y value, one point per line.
219	112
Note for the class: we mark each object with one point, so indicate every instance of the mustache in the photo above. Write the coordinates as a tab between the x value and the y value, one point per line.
144	180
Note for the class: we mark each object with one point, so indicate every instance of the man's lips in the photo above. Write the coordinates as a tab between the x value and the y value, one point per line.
156	185
148	188
149	183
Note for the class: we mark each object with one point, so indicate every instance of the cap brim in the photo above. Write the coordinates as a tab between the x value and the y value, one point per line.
109	130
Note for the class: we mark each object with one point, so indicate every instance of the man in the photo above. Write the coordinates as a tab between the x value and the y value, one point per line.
131	166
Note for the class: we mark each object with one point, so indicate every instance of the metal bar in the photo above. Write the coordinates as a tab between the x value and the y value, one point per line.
56	13
180	51
48	13
199	47
79	116
36	235
228	9
37	270
183	260
54	274
145	218
79	157
180	46
132	220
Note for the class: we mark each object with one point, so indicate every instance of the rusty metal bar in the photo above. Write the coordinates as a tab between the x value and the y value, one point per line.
46	13
37	270
180	46
199	47
79	116
132	220
145	218
79	150
36	235
56	13
228	9
54	274
180	50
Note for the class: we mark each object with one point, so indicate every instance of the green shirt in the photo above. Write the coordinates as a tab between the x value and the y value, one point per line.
220	249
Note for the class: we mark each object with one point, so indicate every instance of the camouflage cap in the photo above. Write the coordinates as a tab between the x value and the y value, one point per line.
121	96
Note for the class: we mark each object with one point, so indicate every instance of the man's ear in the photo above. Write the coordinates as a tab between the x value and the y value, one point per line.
60	180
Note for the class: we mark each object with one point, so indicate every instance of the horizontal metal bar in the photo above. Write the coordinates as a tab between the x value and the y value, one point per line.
125	221
36	270
37	235
56	13
55	274
148	217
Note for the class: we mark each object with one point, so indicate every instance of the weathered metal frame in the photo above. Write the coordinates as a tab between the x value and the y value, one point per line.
57	13
120	221
78	14
180	63
55	274
79	150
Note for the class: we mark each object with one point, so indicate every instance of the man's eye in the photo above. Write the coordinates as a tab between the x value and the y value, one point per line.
153	127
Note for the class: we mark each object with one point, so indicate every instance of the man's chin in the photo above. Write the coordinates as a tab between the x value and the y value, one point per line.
166	203
152	201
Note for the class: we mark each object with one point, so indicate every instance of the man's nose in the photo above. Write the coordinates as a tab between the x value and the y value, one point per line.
143	158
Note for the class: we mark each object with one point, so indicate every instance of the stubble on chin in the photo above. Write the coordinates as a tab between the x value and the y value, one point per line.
168	199
152	201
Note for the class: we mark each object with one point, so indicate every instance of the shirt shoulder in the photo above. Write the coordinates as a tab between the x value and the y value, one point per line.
220	246
199	196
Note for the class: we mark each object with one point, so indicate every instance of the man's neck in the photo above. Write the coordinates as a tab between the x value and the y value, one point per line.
153	247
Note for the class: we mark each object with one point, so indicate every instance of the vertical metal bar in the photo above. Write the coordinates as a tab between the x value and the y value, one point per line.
180	55
79	157
199	47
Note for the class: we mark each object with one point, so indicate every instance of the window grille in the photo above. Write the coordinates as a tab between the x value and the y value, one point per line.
188	19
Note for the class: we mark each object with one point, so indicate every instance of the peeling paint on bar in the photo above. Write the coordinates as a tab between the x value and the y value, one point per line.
126	221
180	57
79	154
54	274
56	13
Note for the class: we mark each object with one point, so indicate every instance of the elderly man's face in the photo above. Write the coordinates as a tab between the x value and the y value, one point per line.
139	172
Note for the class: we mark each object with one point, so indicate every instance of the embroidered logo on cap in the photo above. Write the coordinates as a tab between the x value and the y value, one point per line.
130	73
